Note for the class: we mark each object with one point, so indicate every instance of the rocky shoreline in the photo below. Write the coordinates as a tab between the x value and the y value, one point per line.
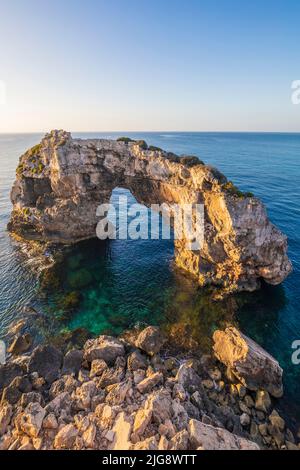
130	393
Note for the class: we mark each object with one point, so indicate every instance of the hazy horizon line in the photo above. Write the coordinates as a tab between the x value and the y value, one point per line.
150	131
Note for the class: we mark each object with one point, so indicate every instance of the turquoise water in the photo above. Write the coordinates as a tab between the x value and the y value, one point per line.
118	284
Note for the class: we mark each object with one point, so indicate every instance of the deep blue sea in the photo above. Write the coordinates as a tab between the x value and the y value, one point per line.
121	283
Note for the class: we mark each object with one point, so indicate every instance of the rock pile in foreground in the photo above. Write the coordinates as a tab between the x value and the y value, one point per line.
119	395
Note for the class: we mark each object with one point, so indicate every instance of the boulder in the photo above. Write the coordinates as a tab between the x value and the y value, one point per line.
65	438
150	382
180	441
98	366
251	364
32	419
21	344
211	438
188	377
263	401
141	421
5	417
118	393
122	431
103	347
50	422
72	362
147	444
137	361
160	403
46	360
31	397
8	372
150	340
67	383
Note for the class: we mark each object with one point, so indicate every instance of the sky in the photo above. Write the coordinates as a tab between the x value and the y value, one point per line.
141	65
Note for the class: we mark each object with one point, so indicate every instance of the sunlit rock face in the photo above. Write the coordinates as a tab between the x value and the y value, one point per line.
61	182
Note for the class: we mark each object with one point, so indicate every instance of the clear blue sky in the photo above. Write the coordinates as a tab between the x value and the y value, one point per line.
149	65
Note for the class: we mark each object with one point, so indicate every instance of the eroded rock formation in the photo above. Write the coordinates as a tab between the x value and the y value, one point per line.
61	181
250	363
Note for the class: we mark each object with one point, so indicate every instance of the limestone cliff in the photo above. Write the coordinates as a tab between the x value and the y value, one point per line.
61	181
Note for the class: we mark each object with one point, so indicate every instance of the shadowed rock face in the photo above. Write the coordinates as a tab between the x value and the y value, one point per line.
61	182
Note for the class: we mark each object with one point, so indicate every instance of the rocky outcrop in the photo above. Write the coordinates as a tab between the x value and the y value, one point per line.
99	405
61	181
209	438
250	363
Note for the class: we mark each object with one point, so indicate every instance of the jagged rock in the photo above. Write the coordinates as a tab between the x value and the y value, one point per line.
263	401
291	446
179	415
160	404
188	377
142	420
245	420
67	383
46	360
137	361
150	382
103	347
241	246
122	430
138	376
276	420
118	393
50	422
163	443
111	376
250	363
5	417
31	397
98	366
6	441
26	446
150	340
11	394
61	401
180	441
210	438
167	429
20	344
65	438
8	372
32	419
89	436
84	394
147	444
179	392
72	362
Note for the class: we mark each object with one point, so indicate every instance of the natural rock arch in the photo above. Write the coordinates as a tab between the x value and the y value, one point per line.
61	181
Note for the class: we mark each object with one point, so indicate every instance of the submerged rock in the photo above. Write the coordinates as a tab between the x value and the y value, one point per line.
251	364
